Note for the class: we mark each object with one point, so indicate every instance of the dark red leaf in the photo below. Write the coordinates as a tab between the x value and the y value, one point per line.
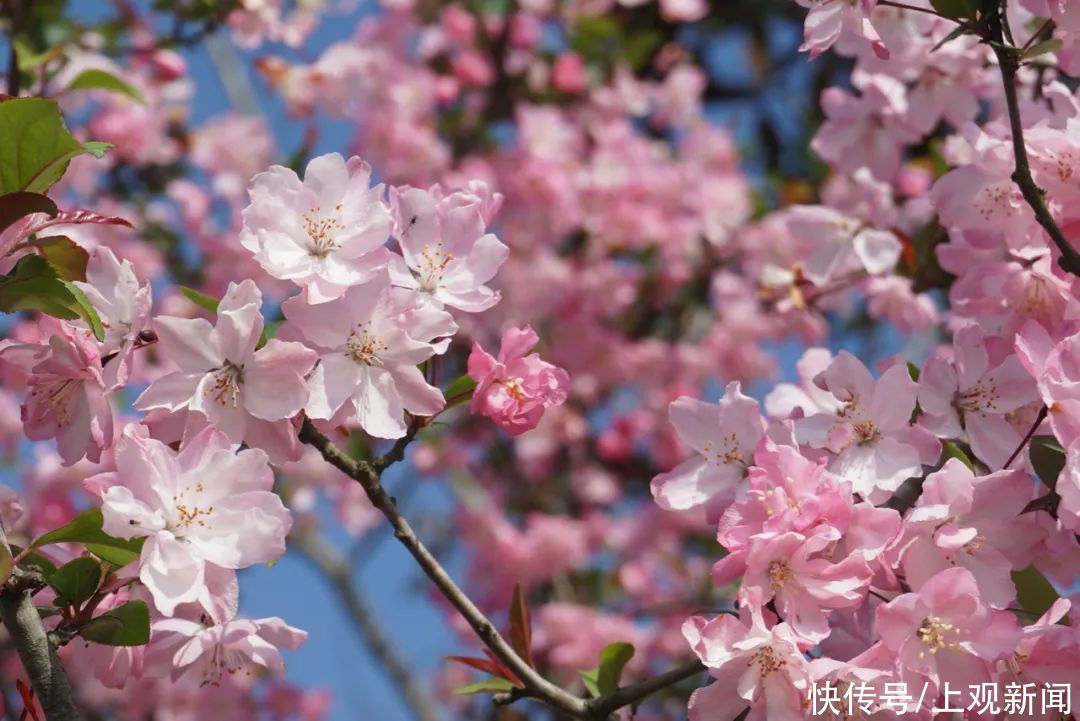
14	206
521	626
29	707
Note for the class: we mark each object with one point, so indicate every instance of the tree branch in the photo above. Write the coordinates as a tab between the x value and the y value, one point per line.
47	675
336	569
1009	62
606	705
369	479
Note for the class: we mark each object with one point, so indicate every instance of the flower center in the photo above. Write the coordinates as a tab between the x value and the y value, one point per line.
189	514
433	262
728	451
780	573
767	659
363	347
321	231
56	395
983	396
227	381
515	388
935	634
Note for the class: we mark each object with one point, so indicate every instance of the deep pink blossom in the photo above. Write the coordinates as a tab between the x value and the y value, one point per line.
514	389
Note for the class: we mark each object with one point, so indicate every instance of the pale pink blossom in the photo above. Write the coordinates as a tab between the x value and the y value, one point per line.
723	436
514	389
447	256
203	506
873	442
830	20
369	344
248	393
325	233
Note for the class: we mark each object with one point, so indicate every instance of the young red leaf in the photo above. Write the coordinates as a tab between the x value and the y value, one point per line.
521	626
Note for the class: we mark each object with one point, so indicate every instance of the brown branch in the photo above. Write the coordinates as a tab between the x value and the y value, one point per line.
336	569
1027	438
1009	62
367	475
23	623
606	705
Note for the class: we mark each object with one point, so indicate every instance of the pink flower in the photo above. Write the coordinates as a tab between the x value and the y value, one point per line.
248	394
213	653
874	445
67	392
945	633
723	436
829	20
124	307
447	254
972	390
369	342
202	506
839	245
514	389
756	666
797	572
973	522
326	233
568	74
1055	366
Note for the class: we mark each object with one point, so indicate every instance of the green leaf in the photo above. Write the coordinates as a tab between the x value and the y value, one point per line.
955	9
591	680
76	581
33	284
1047	458
613	660
1046	46
95	79
96	148
204	301
85	528
951	450
35	559
913	371
14	206
1033	591
488	685
66	257
125	625
6	564
956	32
459	391
35	145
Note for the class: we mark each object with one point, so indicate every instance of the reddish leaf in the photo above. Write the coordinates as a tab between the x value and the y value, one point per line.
66	257
78	217
480	664
521	626
29	707
14	206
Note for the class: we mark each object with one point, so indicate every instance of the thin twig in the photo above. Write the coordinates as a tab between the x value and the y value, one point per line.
336	569
627	695
1027	438
1009	63
367	475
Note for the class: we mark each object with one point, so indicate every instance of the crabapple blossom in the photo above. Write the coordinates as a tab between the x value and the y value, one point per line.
723	436
211	653
840	245
67	392
325	233
830	20
514	389
203	506
970	392
945	632
447	254
751	664
124	306
369	343
249	393
870	436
